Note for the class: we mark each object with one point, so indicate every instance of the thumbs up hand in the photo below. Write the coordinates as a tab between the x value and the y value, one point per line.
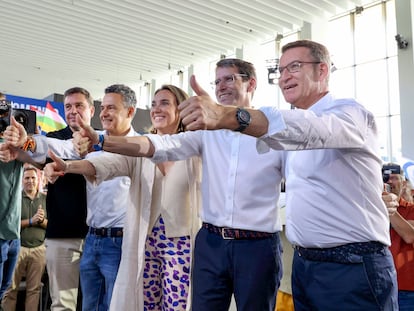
200	112
85	138
55	169
15	134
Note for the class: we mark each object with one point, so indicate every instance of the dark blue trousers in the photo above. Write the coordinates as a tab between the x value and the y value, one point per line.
251	269
366	282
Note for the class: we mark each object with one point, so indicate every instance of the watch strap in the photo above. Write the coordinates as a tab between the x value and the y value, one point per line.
243	124
99	145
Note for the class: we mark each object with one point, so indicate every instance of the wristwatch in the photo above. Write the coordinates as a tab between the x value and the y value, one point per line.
244	118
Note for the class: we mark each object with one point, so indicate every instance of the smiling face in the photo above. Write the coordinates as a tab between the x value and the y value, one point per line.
164	113
115	117
30	181
77	104
234	91
305	87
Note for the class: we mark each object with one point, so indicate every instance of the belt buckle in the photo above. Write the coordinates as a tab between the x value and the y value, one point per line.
223	234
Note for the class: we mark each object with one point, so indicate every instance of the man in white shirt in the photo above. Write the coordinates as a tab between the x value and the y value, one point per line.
335	216
106	205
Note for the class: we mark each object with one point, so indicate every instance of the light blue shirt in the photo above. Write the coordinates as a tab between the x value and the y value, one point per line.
333	192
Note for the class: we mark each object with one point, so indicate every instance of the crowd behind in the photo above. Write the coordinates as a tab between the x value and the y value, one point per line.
186	216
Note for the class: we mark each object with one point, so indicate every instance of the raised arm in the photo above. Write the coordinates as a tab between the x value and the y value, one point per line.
88	139
201	112
405	228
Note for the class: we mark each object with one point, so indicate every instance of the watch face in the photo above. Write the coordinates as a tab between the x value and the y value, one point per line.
244	116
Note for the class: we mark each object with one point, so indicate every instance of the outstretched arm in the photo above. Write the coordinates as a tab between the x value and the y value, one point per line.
87	137
59	168
202	113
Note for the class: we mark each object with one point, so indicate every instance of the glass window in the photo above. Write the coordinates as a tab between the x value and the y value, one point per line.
342	82
340	49
369	41
371	86
365	54
396	139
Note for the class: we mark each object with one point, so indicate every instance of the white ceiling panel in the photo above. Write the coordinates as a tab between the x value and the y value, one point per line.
48	46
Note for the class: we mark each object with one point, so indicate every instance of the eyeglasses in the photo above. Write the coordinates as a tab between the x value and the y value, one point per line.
293	67
228	79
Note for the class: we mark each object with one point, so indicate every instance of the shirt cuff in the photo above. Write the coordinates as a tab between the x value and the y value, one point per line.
276	125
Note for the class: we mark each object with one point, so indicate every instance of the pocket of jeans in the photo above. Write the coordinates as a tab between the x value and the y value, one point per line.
117	241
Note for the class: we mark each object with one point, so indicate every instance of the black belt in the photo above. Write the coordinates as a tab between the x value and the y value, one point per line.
237	234
107	232
340	254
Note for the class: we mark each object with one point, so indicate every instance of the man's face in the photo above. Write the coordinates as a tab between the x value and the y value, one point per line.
232	90
303	88
76	104
30	181
396	182
115	117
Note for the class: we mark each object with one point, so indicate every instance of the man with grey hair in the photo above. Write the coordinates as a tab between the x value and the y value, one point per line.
106	207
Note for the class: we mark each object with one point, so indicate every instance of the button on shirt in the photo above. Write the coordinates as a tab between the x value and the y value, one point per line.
240	187
333	193
108	201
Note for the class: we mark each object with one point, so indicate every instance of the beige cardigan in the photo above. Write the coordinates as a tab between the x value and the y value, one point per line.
128	290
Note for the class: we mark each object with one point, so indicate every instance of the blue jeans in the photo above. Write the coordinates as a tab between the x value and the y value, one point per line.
365	282
406	300
251	269
9	254
98	269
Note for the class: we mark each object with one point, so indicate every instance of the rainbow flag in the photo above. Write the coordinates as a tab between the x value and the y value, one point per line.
49	120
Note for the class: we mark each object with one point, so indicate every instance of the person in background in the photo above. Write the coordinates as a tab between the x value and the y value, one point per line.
237	250
336	217
402	235
166	214
284	299
32	256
